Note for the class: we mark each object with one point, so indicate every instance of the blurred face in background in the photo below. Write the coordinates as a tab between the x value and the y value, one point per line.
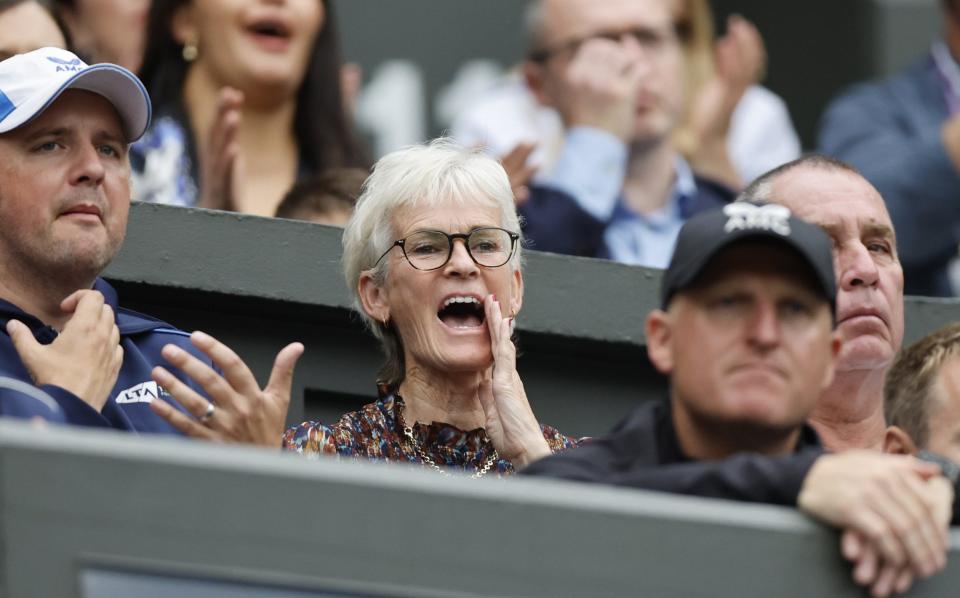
252	45
109	30
27	26
643	30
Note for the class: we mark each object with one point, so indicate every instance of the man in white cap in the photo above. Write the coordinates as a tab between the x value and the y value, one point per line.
64	198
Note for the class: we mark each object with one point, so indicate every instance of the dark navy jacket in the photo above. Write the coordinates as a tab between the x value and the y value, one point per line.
553	220
24	400
128	407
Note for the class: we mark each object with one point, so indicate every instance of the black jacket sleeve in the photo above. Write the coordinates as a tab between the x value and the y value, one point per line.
744	477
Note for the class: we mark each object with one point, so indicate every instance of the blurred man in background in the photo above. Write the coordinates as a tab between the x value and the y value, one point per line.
614	72
903	134
27	25
107	30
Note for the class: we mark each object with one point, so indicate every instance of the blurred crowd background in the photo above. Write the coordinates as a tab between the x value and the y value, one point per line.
814	50
279	107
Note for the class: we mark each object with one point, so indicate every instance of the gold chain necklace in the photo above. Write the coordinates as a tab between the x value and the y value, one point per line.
408	432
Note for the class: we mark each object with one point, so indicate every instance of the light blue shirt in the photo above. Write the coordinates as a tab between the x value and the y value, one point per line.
592	168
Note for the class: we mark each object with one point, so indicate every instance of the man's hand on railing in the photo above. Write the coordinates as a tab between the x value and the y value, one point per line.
894	510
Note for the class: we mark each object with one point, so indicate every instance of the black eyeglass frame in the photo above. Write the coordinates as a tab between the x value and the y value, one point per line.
401	243
681	31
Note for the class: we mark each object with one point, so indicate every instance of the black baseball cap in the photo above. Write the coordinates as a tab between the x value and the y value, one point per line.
708	233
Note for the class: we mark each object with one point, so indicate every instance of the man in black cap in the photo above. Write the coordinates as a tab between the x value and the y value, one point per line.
745	331
746	334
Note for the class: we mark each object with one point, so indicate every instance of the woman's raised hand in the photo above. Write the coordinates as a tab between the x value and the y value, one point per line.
240	411
219	161
740	59
510	423
519	170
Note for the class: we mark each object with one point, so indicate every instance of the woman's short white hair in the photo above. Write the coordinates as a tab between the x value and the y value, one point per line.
421	176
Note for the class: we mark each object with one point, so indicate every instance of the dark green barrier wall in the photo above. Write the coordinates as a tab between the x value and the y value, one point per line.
260	283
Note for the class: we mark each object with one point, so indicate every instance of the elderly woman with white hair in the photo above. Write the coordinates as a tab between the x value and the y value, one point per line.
432	255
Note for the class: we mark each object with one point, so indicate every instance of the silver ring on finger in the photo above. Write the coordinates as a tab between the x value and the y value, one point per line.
208	414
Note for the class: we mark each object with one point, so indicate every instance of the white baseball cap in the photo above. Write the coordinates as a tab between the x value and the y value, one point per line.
30	82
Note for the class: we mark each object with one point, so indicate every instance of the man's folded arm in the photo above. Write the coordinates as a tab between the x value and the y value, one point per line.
743	477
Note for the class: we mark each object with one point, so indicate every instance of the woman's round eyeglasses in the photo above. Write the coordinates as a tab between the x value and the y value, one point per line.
490	247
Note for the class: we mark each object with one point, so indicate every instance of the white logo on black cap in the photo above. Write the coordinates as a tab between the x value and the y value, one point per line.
748	216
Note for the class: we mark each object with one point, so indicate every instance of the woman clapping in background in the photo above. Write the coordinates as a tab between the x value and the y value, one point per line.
247	100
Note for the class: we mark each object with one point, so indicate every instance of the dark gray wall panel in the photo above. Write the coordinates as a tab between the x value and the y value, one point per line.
259	283
78	503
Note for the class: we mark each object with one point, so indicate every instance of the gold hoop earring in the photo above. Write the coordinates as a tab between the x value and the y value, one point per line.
190	51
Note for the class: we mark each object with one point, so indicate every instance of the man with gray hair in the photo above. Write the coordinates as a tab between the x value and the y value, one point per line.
869	315
869	307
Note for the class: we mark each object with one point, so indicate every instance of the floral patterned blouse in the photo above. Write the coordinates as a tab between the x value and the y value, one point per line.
375	432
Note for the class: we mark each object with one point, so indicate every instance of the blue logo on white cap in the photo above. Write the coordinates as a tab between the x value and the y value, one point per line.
6	106
69	66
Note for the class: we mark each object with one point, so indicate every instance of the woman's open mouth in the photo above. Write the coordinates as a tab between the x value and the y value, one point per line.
270	34
462	312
